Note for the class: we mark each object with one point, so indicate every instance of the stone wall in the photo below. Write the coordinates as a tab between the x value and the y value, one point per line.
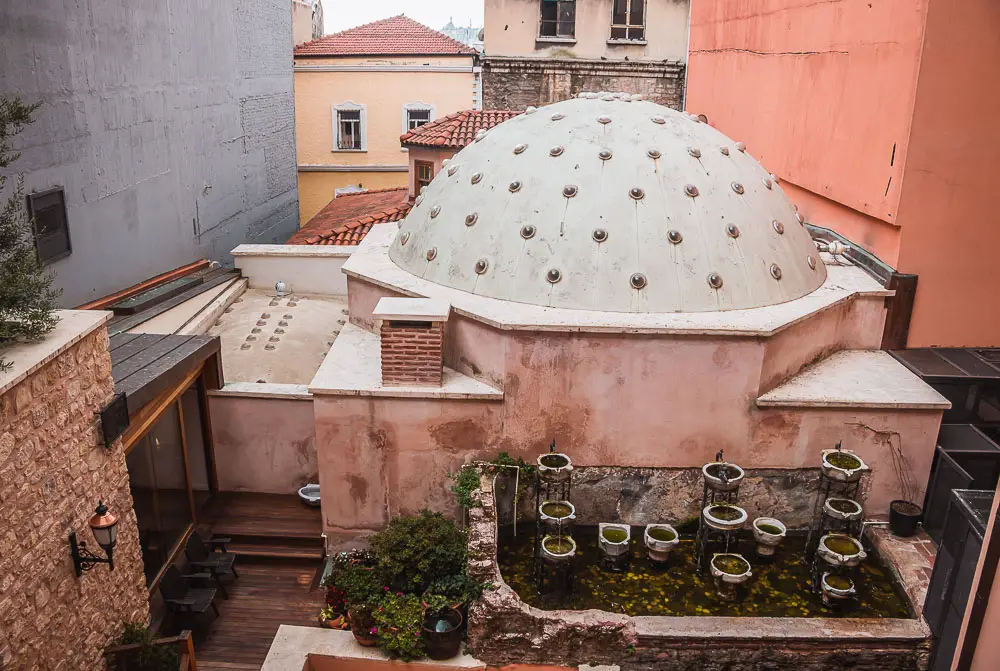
639	496
53	470
515	83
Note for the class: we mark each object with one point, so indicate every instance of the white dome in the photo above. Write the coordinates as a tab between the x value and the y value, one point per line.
606	203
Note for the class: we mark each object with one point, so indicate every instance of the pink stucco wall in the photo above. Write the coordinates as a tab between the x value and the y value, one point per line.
880	120
263	444
607	399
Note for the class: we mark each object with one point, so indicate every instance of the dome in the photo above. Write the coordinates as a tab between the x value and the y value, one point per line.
609	203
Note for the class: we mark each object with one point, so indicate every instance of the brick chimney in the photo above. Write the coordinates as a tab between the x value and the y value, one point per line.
412	331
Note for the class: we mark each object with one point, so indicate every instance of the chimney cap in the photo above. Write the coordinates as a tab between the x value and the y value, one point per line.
412	309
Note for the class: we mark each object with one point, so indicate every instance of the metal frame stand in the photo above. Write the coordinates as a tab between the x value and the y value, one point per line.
707	535
821	522
556	577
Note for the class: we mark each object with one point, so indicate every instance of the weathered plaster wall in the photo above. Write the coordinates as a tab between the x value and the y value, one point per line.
517	82
53	470
263	444
758	68
511	29
170	126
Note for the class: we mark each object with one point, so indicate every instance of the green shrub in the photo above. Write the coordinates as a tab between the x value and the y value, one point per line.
149	657
457	588
413	552
359	585
466	481
399	619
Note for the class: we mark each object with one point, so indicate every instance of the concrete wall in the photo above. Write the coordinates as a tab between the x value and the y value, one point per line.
511	29
264	443
170	126
880	120
383	86
53	470
307	269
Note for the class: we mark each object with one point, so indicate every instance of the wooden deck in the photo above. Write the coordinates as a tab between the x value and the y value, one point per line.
267	594
279	516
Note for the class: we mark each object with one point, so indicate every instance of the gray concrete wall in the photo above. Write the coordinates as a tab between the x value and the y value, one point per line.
171	127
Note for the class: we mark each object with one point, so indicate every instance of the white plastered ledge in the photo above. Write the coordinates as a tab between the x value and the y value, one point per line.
856	379
371	263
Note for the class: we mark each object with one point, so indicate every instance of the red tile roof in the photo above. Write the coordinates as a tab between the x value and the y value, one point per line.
347	219
457	130
395	36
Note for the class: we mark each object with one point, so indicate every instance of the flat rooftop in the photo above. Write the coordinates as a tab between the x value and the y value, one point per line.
278	340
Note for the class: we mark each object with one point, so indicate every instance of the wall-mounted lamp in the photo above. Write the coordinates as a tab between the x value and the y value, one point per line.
104	526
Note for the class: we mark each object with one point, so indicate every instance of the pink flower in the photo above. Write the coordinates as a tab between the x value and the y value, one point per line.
399	594
386	588
373	631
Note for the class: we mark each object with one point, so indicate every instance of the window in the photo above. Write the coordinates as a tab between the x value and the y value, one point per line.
48	212
416	114
349	132
628	20
424	172
558	19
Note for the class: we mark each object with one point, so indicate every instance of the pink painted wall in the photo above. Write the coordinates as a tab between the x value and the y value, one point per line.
435	156
948	206
655	401
880	119
263	444
820	91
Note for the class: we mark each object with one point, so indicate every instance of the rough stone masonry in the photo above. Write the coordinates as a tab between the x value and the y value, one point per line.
53	470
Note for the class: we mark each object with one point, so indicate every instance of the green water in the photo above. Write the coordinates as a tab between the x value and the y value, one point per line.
660	534
845	506
770	529
838	582
841	460
557	510
841	545
553	461
730	565
726	513
615	535
776	589
558	545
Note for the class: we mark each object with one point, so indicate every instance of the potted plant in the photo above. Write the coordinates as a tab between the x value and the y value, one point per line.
361	587
442	627
768	532
660	540
459	589
841	550
331	618
398	624
904	516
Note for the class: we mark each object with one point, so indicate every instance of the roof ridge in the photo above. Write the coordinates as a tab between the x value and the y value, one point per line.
368	191
393	35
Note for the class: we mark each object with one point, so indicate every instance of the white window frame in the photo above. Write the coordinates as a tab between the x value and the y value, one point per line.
628	25
350	106
415	106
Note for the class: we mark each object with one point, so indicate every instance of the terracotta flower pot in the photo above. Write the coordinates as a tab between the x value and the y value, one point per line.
361	628
338	622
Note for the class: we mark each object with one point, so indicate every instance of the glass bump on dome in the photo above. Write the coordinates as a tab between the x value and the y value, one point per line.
482	265
569	238
452	169
519	148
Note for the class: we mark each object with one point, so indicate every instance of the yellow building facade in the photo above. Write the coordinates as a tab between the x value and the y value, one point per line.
351	108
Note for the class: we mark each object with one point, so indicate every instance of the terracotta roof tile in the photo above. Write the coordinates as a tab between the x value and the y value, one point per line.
395	36
456	130
347	219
